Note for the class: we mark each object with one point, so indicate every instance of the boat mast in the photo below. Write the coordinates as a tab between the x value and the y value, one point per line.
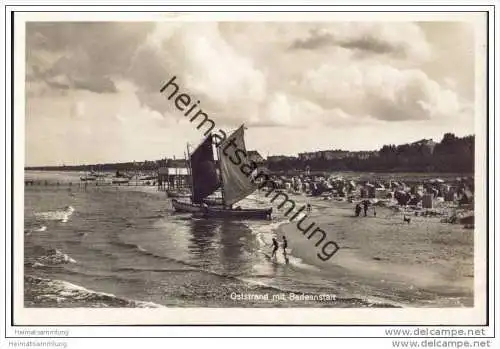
190	170
220	178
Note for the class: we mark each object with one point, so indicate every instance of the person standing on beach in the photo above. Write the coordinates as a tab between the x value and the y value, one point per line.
357	210
365	206
285	245
275	247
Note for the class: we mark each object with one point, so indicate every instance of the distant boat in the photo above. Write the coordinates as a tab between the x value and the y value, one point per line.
119	174
87	178
97	174
236	185
119	180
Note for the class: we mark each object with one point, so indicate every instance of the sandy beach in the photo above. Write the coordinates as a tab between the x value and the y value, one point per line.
425	256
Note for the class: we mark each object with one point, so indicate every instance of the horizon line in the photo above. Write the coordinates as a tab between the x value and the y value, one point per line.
264	157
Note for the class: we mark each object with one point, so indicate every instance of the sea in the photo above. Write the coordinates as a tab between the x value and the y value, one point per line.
124	246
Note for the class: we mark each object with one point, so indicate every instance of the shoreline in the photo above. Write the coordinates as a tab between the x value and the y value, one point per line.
426	256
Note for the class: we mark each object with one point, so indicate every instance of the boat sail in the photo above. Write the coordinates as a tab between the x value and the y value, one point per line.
203	171
236	184
235	172
205	180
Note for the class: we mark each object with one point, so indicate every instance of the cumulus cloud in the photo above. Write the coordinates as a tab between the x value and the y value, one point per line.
205	66
263	74
401	40
81	55
379	91
97	85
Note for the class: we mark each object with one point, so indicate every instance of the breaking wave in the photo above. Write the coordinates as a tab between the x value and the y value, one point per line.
58	293
39	228
54	257
61	215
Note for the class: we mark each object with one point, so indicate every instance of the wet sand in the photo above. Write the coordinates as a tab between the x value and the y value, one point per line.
423	257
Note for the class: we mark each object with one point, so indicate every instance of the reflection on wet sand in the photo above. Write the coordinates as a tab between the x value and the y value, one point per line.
238	246
202	244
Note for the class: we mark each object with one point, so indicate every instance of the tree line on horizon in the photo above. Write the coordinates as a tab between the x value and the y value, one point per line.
451	154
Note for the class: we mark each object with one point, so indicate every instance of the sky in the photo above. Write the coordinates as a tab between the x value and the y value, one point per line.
93	88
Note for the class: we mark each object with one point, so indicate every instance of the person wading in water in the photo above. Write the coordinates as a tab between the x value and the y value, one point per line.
275	247
285	245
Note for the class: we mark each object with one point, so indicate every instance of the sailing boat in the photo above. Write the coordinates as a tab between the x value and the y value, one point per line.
236	181
204	179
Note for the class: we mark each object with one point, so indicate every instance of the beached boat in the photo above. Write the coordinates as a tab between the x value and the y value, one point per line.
204	179
236	182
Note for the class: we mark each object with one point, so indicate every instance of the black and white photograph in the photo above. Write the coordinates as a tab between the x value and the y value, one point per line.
187	161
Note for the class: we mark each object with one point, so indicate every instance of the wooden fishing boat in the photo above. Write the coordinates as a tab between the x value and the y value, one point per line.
236	184
204	179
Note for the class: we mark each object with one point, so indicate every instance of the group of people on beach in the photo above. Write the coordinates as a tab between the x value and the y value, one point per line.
275	243
366	203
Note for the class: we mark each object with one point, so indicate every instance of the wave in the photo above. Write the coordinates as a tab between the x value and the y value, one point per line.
264	235
262	279
245	278
39	228
54	257
59	293
38	265
160	270
153	216
61	215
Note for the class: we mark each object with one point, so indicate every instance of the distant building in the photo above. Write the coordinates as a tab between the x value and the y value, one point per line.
333	154
278	158
429	144
173	171
308	156
336	154
176	163
363	155
173	177
254	156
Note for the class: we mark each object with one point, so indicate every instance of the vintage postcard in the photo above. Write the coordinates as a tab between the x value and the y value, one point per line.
250	168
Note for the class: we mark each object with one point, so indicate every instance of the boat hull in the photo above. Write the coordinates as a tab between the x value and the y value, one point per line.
177	194
213	201
244	213
186	207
